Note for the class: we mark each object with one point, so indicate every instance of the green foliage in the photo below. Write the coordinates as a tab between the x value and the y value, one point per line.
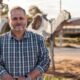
51	77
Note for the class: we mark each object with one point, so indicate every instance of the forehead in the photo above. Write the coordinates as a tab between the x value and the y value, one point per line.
17	12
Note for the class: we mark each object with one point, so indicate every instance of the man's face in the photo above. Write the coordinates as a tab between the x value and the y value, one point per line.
18	20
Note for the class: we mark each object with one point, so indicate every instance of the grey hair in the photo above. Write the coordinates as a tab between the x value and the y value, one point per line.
16	8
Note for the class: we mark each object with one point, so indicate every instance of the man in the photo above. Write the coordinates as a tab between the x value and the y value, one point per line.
23	55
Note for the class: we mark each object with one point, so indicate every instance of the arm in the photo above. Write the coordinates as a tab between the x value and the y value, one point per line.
2	69
43	61
3	72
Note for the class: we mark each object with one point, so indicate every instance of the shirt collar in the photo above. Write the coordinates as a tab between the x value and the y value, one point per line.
26	35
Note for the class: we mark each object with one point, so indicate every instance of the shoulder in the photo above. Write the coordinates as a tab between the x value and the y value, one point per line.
34	35
4	35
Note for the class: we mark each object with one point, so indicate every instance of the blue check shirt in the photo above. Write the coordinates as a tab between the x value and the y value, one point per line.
19	57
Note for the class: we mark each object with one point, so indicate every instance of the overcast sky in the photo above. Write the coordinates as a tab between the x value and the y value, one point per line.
52	7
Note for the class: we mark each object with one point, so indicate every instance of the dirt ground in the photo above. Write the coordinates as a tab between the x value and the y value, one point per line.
67	65
67	68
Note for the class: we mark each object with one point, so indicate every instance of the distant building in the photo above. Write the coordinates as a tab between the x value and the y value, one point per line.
71	27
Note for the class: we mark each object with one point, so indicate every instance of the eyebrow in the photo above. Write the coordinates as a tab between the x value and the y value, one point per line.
15	18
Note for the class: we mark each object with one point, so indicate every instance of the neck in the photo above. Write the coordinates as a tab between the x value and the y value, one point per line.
18	34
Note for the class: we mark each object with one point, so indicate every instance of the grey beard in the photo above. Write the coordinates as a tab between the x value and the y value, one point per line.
17	29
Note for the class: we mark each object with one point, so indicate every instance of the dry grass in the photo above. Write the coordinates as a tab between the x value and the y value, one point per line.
67	68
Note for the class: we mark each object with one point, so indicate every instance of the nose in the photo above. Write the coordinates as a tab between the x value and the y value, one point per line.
18	20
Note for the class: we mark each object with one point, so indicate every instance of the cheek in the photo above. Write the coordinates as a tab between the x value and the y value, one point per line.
25	22
12	23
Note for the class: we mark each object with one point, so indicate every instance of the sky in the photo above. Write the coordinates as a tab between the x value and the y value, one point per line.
51	7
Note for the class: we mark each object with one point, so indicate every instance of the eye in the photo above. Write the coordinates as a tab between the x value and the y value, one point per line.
15	18
21	18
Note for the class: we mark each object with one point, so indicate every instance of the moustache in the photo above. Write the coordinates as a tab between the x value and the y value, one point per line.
18	25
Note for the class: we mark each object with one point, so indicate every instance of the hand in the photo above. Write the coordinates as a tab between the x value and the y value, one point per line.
21	78
34	74
7	77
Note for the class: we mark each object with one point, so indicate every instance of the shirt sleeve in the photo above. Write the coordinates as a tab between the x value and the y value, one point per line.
43	58
2	68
